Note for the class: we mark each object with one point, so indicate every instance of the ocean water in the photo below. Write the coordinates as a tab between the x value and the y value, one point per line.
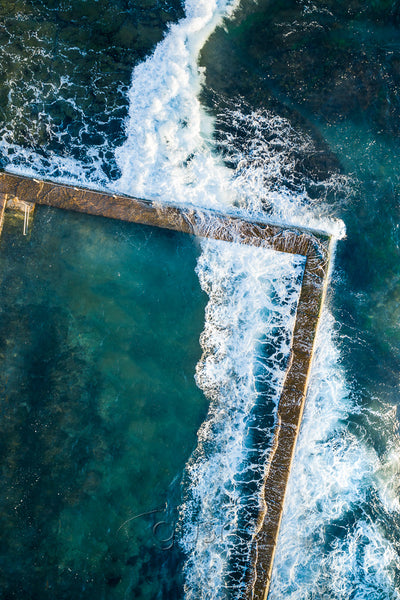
283	109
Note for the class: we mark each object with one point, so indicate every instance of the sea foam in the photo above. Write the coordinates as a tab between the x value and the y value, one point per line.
253	295
333	542
170	153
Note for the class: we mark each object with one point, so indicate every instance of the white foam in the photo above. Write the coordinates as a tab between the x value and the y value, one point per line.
168	151
264	150
329	545
253	296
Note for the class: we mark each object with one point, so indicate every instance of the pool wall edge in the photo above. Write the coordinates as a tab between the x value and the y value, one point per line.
315	246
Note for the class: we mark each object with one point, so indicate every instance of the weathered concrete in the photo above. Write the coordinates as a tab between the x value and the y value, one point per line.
205	223
200	222
3	202
13	203
290	411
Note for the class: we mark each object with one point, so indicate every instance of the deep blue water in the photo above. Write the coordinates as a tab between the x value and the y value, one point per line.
298	118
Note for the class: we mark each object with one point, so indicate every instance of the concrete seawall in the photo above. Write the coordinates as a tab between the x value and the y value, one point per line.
315	246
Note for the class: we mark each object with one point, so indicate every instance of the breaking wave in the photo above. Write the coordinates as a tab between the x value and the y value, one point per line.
334	541
246	343
251	165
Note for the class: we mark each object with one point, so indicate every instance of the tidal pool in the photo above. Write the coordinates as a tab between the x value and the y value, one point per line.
99	338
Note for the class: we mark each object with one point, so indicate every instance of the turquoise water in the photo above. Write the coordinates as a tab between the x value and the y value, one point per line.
99	330
331	71
294	114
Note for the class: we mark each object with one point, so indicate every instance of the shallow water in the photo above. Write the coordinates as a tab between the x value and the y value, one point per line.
296	115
